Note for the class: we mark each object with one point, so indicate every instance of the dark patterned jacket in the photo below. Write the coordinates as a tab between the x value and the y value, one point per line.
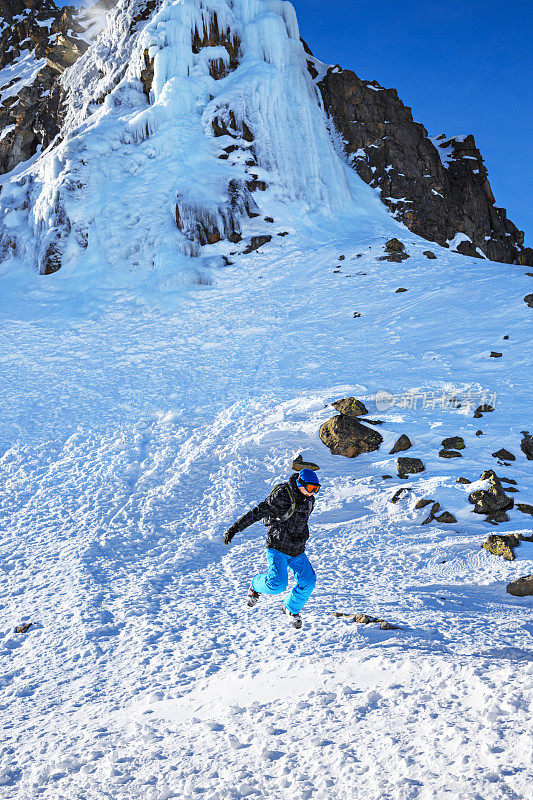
289	536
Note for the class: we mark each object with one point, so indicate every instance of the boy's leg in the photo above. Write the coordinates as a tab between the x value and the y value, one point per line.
275	581
305	583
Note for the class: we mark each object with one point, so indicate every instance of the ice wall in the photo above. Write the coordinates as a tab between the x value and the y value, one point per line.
178	117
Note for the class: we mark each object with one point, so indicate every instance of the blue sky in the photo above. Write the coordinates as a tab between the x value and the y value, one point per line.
463	67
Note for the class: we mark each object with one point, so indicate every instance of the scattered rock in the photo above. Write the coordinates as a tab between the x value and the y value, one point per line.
395	251
462	480
504	454
345	436
508	480
299	464
401	289
396	496
526	445
283	233
479	433
449	454
495	355
366	619
402	444
505	337
435	508
350	407
255	243
386	477
356	314
453	443
523	587
446	517
341	258
395	246
525	508
429	254
529	300
23	628
492	500
501	545
409	466
423	503
269	219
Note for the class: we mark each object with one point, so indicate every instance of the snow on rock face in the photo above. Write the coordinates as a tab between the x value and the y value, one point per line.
154	110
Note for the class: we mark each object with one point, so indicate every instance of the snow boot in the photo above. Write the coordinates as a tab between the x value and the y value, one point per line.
253	597
294	619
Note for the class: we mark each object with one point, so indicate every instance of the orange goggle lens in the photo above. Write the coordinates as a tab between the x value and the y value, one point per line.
312	487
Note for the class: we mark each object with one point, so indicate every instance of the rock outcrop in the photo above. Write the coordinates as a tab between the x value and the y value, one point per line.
491	501
437	186
501	545
38	41
523	587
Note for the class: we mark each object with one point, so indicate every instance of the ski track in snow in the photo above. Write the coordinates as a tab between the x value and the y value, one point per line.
131	442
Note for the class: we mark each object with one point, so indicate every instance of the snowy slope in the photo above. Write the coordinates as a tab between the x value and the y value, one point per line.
146	404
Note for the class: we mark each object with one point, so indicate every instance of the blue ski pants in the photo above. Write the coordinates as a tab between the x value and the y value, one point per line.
276	579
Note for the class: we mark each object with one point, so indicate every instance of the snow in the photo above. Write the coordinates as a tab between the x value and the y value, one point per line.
149	398
456	240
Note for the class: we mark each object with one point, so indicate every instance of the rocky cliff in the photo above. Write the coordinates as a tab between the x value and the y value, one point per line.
437	186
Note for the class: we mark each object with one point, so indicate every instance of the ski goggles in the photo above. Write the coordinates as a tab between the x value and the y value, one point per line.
312	488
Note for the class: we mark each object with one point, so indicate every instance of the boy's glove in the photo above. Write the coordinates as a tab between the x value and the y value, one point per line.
230	533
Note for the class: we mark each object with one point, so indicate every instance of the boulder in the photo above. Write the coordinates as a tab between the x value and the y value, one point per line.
525	508
446	517
350	407
449	454
491	500
529	300
401	444
345	436
255	243
429	254
453	443
422	503
493	354
23	628
395	246
298	464
434	509
408	466
523	587
504	454
462	480
501	545
396	496
401	289
526	445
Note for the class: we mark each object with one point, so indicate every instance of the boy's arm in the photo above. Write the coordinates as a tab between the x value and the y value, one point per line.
275	505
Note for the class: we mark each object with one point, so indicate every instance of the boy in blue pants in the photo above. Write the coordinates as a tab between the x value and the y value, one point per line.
285	513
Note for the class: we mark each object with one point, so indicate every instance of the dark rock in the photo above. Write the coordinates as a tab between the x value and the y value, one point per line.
462	480
523	587
529	300
23	628
504	454
495	355
429	254
345	436
350	407
525	508
479	433
446	517
284	233
525	258
436	187
299	464
255	243
269	219
396	496
356	314
386	477
422	503
395	246
483	409
492	500
453	443
341	258
401	444
401	289
409	466
526	445
435	508
508	480
501	545
449	454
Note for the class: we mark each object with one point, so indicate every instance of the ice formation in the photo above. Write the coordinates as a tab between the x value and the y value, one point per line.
177	117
